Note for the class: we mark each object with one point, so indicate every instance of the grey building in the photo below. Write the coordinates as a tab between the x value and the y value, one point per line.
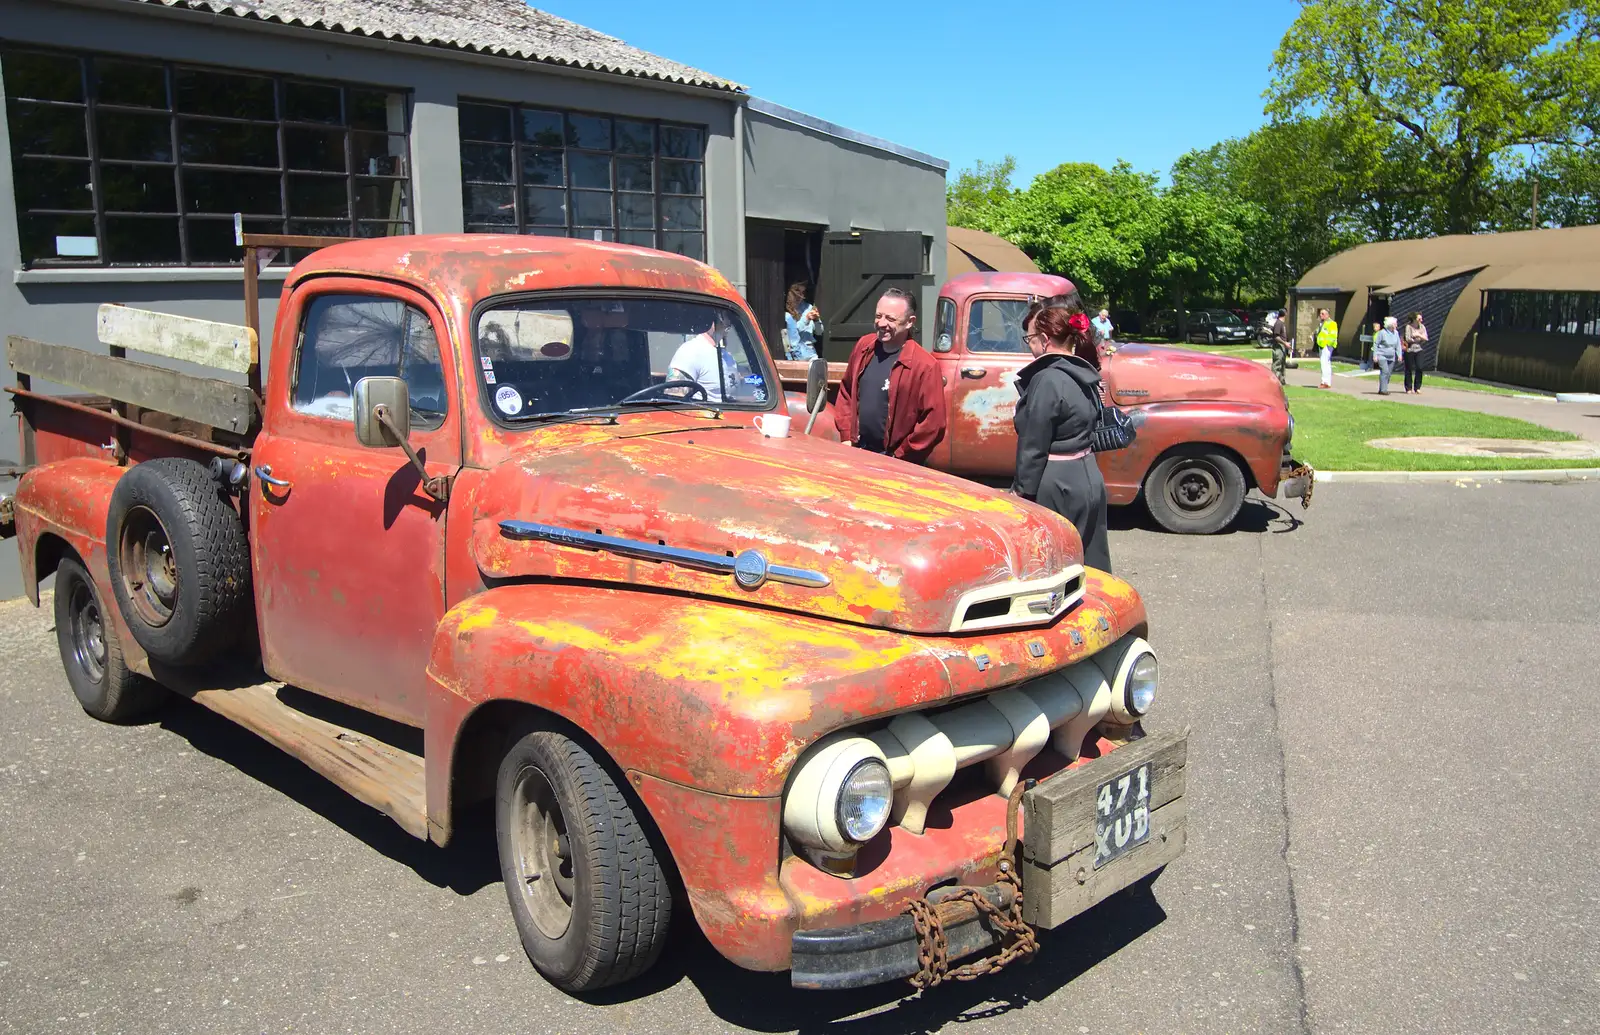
134	130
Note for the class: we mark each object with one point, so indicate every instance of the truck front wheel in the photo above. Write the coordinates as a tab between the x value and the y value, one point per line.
589	897
91	652
1194	491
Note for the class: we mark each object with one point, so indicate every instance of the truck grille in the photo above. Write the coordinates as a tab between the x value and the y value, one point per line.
1015	603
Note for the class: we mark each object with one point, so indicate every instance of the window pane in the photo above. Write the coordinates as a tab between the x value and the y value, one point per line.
636	210
312	102
211	240
635	138
692	245
546	231
319	196
590	170
378	155
52	183
232	96
348	337
586	234
319	227
635	174
544	207
39	233
141	138
138	188
382	199
542	168
486	204
133	240
682	213
369	228
134	85
45	77
682	142
680	177
314	149
543	128
46	129
228	143
589	131
206	190
372	109
490	162
591	208
642	238
485	122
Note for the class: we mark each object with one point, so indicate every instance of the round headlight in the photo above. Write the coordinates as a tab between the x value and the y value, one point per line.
1141	692
864	800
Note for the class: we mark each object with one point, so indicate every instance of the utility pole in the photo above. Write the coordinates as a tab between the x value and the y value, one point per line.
1536	203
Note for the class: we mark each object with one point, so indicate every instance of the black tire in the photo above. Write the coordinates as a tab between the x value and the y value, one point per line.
598	914
180	564
91	651
1194	491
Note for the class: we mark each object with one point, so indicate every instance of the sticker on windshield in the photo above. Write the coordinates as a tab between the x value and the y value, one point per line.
488	377
488	364
508	400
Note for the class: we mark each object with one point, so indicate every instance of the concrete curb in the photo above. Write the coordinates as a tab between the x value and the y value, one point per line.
1557	474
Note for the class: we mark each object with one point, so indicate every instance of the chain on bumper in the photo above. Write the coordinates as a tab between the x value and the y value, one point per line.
1018	939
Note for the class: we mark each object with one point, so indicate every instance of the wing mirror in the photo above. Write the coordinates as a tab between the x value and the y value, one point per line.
816	384
383	420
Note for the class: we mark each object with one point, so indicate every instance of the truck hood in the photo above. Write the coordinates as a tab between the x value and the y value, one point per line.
898	546
1154	373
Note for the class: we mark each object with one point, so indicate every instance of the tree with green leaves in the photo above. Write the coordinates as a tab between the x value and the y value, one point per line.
979	196
1461	83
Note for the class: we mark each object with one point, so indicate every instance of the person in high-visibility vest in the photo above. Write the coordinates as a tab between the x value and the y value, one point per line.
1327	338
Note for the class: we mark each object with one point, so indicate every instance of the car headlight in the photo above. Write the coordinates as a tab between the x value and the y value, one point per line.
839	796
1130	667
864	801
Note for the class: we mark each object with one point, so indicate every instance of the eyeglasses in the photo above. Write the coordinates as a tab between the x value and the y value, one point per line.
1028	338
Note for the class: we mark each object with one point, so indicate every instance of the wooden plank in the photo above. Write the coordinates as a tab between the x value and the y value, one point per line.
381	775
216	404
1055	894
210	343
1058	815
290	241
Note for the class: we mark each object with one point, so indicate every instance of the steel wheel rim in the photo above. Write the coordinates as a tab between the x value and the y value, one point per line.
88	632
1195	488
542	851
150	577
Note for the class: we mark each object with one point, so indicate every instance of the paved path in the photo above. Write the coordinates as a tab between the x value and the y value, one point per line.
1393	734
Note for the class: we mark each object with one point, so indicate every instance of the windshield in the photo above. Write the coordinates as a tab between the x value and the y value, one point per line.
1224	319
549	356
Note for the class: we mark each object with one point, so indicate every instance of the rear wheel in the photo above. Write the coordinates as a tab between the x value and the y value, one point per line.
91	652
1194	491
589	897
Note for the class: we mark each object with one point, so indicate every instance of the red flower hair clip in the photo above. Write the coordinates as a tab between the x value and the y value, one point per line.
1079	322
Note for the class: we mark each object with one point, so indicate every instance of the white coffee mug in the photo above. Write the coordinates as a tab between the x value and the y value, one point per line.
772	425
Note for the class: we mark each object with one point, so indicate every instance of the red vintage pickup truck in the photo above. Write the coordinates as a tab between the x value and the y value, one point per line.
474	538
1210	427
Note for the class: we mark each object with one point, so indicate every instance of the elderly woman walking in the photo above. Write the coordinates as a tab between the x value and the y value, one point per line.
1059	404
1386	353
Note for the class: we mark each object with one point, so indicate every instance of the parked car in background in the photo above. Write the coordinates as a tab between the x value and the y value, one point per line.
1164	324
1217	327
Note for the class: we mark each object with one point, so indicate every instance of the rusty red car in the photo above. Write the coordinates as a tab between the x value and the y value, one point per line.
506	520
1210	428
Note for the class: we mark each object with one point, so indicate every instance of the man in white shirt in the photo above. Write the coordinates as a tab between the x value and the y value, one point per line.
704	359
1102	324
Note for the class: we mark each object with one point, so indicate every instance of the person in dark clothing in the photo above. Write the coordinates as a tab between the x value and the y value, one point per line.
891	398
1057	411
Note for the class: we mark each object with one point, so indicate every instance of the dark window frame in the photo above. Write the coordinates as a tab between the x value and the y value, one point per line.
182	212
572	225
1571	313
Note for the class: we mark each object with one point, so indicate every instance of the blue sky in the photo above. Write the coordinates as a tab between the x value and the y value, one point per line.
1144	80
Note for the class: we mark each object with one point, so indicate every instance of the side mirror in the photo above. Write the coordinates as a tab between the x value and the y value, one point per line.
372	429
943	343
816	384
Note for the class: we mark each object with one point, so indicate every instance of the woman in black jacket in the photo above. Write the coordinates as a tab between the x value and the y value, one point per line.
1059	405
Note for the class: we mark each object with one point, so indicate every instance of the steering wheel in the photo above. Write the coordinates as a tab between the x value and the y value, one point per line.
661	389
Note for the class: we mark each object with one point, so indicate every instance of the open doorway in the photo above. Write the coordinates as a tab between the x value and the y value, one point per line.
776	256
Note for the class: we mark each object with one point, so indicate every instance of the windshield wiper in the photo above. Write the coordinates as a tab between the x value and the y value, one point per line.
560	416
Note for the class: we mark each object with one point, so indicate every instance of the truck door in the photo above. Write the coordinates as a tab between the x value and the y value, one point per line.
349	550
982	372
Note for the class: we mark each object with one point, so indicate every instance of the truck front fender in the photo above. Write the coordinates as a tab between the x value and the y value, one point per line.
1255	432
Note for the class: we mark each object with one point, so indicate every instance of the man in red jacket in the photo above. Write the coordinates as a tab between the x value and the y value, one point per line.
891	399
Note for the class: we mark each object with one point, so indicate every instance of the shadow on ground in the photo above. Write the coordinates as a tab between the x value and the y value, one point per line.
1258	515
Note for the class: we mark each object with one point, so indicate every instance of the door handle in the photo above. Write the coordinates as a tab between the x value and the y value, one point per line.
974	372
264	473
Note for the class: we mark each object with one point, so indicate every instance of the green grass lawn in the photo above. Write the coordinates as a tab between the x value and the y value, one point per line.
1331	433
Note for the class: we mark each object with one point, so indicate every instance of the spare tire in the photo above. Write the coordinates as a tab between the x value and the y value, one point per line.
179	561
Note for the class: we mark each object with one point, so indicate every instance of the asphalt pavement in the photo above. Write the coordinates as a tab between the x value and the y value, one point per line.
1393	730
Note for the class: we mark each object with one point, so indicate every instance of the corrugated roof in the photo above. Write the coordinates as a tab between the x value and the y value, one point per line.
1383	261
996	253
507	28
